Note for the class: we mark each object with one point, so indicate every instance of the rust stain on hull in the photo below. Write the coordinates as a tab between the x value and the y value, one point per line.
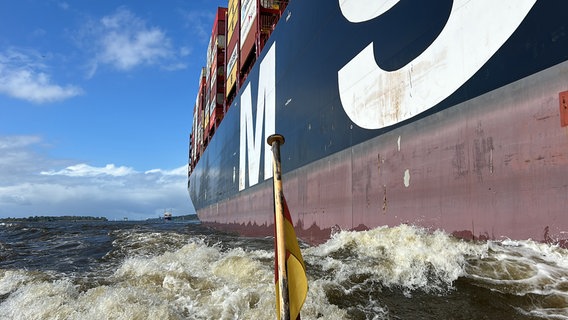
563	101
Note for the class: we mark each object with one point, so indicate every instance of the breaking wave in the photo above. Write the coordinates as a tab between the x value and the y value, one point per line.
402	272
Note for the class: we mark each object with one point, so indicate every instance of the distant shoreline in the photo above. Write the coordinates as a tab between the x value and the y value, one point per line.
53	218
188	217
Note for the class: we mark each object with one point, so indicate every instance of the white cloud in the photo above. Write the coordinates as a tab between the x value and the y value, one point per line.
175	66
23	76
17	157
181	171
199	23
165	177
64	5
126	49
185	51
124	41
12	142
33	184
85	170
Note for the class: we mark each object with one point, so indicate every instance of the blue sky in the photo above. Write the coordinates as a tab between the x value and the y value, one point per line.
96	100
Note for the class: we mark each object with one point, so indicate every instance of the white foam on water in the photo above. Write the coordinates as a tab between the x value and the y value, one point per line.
527	269
133	243
407	257
346	276
10	280
40	300
195	282
411	259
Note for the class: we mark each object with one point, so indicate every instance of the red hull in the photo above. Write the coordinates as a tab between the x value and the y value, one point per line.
492	167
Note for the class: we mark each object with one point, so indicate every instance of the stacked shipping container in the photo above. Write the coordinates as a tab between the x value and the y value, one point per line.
237	38
216	73
196	146
233	45
258	19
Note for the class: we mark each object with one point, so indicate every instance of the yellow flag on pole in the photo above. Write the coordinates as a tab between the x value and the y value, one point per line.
295	269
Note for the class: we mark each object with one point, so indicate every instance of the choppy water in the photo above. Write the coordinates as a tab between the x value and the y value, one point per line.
142	270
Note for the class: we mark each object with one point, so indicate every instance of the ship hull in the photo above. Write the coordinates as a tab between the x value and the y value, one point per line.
466	173
488	162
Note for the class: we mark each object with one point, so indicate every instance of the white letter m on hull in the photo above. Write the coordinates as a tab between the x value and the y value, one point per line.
251	141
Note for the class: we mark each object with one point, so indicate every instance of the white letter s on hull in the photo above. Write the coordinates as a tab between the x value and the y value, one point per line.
374	98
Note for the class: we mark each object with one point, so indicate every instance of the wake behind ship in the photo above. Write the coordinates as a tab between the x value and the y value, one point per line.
451	116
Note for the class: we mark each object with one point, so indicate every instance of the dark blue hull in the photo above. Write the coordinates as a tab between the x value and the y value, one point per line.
417	115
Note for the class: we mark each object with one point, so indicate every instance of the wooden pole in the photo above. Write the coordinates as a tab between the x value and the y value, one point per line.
275	141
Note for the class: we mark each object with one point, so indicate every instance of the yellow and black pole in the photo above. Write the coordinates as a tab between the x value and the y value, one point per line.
275	141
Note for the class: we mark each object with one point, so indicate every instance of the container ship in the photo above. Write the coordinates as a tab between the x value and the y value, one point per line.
451	115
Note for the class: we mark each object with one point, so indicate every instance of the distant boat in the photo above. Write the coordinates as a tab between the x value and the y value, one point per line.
167	215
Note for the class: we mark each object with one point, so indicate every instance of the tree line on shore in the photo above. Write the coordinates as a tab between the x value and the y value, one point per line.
53	218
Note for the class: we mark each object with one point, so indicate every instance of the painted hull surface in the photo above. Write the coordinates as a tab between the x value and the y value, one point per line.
448	116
